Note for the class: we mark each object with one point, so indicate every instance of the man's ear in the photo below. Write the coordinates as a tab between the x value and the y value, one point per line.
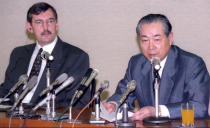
171	38
29	27
57	26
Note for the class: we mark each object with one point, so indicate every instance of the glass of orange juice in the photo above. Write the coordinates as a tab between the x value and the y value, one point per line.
187	114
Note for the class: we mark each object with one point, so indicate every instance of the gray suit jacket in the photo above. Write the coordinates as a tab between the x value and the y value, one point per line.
67	59
184	79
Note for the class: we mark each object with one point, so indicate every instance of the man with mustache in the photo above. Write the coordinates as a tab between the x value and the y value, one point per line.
184	76
42	23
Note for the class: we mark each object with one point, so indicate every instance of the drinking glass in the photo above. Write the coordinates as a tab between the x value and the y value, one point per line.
187	114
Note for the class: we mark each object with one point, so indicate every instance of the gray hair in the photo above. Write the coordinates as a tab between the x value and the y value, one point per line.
150	18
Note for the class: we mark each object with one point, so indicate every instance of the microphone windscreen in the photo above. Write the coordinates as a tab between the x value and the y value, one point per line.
105	84
66	83
46	55
23	78
93	74
131	85
88	72
32	82
61	78
156	63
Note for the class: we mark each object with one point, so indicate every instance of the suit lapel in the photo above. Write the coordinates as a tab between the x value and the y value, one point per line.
58	60
24	60
146	83
168	77
26	57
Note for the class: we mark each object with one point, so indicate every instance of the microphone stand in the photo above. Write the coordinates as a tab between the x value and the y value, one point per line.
16	111
125	120
157	119
53	105
16	95
49	115
97	119
97	108
48	84
70	108
73	100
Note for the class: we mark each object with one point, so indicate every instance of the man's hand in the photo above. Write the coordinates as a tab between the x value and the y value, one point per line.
110	107
143	113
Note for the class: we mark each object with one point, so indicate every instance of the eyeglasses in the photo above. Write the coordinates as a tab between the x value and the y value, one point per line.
40	22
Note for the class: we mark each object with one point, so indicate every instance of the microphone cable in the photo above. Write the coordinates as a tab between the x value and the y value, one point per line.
82	111
10	120
77	115
64	111
70	105
27	116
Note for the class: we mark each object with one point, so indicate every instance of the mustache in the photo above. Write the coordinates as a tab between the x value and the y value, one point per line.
46	32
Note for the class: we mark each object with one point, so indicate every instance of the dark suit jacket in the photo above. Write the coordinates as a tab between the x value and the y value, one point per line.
67	59
184	78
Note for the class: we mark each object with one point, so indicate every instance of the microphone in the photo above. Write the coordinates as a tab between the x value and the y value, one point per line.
104	85
67	82
47	56
31	83
83	87
131	86
22	80
156	63
80	86
59	80
86	76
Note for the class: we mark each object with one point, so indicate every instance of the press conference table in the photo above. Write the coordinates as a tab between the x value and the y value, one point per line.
85	117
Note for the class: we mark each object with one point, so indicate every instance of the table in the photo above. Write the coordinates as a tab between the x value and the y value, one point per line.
17	123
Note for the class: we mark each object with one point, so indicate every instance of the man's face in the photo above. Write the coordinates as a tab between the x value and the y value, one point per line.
153	41
44	27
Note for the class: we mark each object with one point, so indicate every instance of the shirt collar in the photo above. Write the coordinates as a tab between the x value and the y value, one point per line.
49	47
162	64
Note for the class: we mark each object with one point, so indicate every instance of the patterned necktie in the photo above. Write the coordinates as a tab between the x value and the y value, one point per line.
37	65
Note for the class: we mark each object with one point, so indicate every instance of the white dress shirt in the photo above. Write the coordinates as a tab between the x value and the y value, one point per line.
163	109
48	48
